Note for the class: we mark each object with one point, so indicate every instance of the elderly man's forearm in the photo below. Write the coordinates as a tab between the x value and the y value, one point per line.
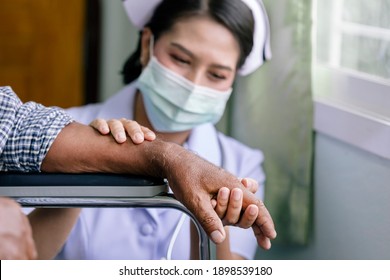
79	148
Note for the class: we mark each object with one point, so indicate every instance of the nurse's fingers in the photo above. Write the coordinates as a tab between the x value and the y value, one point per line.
148	134
213	202
137	132
233	212
117	130
101	126
249	216
251	184
222	202
134	130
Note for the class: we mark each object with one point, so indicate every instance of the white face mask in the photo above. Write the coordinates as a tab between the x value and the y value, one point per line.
174	103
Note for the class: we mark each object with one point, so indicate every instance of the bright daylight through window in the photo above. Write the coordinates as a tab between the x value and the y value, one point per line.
351	71
354	35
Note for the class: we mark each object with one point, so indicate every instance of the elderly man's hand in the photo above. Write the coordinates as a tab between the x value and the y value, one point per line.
16	242
196	182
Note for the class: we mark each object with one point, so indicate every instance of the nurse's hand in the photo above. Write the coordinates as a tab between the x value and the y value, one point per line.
228	205
119	129
16	241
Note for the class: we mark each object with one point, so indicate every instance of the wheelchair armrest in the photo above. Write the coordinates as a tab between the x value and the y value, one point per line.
79	185
94	190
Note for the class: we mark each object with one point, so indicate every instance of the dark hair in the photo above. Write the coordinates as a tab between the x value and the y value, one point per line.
235	15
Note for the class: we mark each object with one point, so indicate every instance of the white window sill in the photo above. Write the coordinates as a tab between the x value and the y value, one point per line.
352	125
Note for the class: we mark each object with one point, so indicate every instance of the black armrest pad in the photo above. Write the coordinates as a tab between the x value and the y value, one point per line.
64	179
79	185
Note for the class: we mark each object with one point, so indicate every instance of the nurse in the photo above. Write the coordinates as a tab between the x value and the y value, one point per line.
177	83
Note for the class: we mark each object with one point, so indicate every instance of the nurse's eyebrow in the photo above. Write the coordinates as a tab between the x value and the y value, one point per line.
190	54
183	49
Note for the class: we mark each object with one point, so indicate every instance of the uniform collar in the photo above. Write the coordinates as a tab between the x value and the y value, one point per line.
120	105
203	140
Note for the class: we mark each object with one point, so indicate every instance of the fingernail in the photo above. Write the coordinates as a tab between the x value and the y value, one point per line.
121	136
138	137
150	134
216	236
236	195
252	211
224	194
104	129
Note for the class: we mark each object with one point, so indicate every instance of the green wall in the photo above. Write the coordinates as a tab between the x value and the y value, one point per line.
351	206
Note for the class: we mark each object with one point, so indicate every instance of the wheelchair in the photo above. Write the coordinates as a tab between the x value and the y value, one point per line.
58	190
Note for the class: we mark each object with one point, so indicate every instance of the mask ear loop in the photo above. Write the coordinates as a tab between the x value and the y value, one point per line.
151	46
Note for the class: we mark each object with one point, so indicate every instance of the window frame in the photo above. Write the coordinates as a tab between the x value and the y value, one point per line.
351	106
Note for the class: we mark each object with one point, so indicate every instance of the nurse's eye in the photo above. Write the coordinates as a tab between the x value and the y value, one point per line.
217	76
180	60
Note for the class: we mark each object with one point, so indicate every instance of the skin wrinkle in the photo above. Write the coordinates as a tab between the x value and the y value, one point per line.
205	181
176	170
157	160
197	199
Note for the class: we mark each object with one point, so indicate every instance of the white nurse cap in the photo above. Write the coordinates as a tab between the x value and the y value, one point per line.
140	12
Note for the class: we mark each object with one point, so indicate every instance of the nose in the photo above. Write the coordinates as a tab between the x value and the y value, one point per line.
195	76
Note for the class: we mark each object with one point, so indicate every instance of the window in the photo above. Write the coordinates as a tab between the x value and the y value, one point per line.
355	35
351	70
